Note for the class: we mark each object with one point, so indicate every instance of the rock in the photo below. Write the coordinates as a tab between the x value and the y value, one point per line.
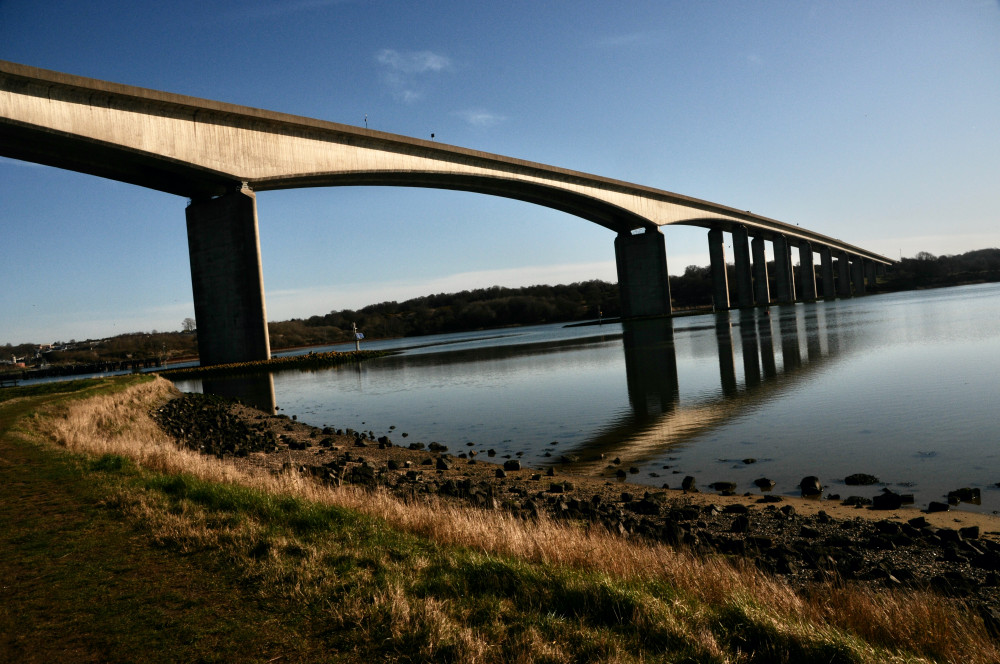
740	524
501	473
887	501
512	464
764	484
749	461
937	507
808	531
437	447
688	484
969	533
724	486
442	464
860	479
964	495
810	486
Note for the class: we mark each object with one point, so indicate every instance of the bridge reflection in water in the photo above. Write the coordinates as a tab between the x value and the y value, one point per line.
661	420
779	349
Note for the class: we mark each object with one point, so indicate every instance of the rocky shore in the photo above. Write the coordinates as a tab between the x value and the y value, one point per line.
953	553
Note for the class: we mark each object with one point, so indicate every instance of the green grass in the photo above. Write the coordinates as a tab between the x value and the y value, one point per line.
106	561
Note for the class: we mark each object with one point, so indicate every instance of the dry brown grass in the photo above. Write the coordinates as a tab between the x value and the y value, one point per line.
899	622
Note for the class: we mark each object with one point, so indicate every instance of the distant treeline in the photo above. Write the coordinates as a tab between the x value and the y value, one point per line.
930	271
455	312
498	307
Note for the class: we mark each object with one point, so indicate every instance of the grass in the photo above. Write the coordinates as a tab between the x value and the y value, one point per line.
190	552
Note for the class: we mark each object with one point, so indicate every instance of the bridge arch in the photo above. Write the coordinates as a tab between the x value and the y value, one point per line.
219	154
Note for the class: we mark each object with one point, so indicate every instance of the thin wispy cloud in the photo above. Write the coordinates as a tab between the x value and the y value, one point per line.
403	72
478	117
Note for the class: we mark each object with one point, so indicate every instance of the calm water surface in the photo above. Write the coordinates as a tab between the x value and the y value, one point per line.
903	387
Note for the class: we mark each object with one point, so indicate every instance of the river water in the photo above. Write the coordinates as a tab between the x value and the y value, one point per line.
904	387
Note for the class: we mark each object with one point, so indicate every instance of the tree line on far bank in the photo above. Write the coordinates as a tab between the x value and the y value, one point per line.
499	307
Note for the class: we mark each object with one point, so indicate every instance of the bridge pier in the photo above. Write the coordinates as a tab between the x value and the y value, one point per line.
744	276
858	275
762	292
807	273
720	281
843	275
227	280
643	285
826	269
784	286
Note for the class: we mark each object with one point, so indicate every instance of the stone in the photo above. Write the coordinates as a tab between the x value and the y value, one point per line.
887	501
965	495
512	464
688	484
764	484
501	473
724	486
740	524
935	506
810	486
860	479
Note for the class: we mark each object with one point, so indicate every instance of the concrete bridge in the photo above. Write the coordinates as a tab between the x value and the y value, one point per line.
219	154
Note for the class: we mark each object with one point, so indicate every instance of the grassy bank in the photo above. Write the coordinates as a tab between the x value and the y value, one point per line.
153	548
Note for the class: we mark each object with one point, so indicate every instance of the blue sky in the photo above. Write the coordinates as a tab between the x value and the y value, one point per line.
874	122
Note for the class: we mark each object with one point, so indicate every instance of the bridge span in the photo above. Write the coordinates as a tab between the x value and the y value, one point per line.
219	154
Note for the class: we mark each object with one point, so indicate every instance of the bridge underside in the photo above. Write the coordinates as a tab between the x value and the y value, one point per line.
218	154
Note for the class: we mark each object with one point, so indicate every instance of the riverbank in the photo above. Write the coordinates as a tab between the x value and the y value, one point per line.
362	572
954	553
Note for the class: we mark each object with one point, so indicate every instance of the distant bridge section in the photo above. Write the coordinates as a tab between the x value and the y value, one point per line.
218	154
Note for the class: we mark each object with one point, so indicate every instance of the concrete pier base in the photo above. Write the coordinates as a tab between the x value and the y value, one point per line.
784	286
643	287
807	273
826	270
227	280
843	275
720	280
744	275
761	289
858	275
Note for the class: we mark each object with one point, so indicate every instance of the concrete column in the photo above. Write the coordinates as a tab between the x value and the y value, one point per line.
744	277
843	275
720	281
807	273
826	269
761	290
227	280
642	274
858	275
784	288
880	269
870	274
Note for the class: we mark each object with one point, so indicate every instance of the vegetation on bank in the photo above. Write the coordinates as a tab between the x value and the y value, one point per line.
343	574
305	361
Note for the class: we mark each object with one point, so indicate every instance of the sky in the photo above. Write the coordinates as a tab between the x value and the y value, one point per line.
874	122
